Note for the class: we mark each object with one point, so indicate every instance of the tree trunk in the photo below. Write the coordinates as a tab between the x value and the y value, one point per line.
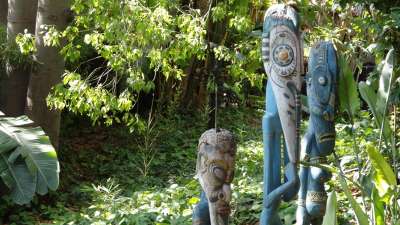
3	24
49	69
3	12
194	86
216	36
21	16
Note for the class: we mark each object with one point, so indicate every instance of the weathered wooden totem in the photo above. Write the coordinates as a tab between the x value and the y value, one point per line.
215	170
319	141
282	55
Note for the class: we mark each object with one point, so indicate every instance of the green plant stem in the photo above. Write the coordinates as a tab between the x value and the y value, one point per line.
357	151
332	170
394	155
393	144
341	173
384	114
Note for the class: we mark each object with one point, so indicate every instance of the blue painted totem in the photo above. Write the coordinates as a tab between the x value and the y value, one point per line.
282	56
319	141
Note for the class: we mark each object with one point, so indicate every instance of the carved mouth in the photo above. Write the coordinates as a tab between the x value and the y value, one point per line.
279	16
326	137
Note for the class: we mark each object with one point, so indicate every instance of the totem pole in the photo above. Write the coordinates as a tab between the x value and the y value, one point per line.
319	140
215	170
282	56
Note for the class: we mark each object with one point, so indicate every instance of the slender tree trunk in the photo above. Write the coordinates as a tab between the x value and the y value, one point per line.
216	36
195	93
194	85
21	16
3	25
3	12
49	69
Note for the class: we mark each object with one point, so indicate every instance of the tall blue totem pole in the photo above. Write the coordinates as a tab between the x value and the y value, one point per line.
319	141
282	55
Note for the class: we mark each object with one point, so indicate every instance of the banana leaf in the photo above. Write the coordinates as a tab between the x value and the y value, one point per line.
28	161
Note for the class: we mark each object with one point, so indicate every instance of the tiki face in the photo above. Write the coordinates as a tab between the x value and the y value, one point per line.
321	80
215	166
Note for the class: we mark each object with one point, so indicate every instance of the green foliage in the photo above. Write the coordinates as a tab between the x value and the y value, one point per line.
141	41
361	216
384	177
141	45
347	89
379	210
10	51
363	33
132	38
96	103
110	188
28	162
103	183
26	43
370	97
331	209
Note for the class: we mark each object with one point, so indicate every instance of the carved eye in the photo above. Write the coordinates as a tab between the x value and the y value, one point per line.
221	196
322	81
219	173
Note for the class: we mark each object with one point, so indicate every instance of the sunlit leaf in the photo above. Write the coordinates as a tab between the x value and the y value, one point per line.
385	81
384	177
331	208
379	210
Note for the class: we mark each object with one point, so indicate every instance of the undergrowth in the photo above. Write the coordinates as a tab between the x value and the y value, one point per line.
102	180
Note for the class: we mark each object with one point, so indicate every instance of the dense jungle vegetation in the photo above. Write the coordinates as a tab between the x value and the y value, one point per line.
125	88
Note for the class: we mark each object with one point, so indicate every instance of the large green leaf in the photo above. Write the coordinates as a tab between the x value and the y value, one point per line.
331	208
379	209
7	143
368	94
40	157
385	81
384	178
347	89
17	177
362	218
378	100
34	154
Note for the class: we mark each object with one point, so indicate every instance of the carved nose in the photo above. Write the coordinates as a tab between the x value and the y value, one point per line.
327	116
226	189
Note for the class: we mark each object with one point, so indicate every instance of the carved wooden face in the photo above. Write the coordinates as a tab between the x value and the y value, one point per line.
321	80
215	164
